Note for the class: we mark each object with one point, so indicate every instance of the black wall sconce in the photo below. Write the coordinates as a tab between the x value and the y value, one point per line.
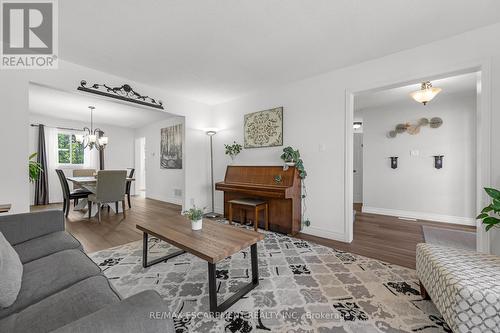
438	161
394	162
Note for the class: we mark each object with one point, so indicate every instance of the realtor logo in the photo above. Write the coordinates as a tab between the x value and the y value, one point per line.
29	31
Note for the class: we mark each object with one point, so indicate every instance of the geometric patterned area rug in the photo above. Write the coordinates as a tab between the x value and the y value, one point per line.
303	287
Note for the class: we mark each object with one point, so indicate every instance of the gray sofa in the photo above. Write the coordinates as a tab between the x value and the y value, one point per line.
62	290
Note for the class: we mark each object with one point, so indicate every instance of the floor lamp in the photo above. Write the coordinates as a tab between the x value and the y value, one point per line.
212	214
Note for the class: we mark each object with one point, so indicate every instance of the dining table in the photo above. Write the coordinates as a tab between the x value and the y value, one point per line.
90	184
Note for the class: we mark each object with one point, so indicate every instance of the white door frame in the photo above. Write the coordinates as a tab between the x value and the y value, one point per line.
358	171
483	138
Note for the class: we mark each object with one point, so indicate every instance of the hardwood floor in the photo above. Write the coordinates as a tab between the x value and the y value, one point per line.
385	238
114	230
376	236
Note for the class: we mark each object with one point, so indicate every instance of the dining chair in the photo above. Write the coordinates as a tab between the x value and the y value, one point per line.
129	184
69	195
110	187
81	173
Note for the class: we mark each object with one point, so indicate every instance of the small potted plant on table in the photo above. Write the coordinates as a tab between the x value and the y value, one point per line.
195	214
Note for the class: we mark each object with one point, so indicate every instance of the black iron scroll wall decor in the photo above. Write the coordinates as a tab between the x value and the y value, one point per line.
438	161
124	93
394	162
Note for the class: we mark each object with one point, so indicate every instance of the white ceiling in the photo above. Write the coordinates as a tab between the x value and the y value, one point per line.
463	84
74	106
216	50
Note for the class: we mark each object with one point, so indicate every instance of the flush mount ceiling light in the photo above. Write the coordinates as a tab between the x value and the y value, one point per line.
357	125
426	93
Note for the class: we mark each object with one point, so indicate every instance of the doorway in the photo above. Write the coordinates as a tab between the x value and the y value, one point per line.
140	162
358	169
480	171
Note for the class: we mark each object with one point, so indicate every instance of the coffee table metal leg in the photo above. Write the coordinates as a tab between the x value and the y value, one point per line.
145	262
255	264
212	285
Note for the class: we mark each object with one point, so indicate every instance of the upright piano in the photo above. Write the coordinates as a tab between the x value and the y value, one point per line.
280	188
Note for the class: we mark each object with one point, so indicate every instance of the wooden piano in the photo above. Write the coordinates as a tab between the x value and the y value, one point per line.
281	189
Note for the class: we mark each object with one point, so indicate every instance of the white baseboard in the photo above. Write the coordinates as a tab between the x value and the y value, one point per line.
172	200
420	215
319	232
314	231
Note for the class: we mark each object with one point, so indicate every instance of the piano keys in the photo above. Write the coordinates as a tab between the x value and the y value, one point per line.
280	188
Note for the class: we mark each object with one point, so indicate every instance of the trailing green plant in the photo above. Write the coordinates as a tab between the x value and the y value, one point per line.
194	213
34	168
233	149
291	155
489	213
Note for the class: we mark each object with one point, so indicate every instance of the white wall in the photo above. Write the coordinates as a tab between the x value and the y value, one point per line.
119	153
14	110
313	111
314	116
140	163
161	183
416	189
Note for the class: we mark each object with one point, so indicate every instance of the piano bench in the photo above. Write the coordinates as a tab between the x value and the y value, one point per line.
256	204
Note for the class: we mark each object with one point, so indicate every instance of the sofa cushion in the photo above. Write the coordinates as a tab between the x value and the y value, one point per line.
11	273
145	312
43	246
48	275
64	307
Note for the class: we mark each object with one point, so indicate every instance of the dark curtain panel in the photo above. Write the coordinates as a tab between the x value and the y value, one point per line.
42	184
101	154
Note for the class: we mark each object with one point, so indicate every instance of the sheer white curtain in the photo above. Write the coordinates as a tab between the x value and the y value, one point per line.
91	161
55	191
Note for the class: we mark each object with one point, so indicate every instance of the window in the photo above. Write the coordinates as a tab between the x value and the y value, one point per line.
69	150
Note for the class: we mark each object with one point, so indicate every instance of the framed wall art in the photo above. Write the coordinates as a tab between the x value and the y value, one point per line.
171	147
263	128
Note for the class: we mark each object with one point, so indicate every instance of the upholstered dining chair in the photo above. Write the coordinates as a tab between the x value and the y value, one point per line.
69	195
131	172
81	173
110	187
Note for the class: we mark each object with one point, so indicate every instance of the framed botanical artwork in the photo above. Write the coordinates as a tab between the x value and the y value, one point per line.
263	128
171	147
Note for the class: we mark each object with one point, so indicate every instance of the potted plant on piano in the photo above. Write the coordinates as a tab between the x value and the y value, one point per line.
195	214
291	157
233	149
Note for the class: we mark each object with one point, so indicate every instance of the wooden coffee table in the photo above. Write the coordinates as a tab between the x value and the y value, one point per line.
213	243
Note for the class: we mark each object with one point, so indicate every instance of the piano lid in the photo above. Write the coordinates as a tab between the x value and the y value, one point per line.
261	175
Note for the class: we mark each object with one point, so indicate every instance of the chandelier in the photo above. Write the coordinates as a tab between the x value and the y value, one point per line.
92	137
426	93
